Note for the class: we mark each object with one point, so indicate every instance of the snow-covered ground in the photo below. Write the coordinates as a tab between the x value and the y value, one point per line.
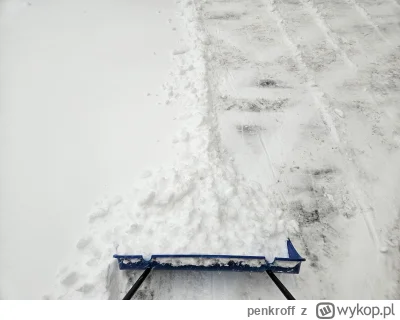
82	114
287	124
312	90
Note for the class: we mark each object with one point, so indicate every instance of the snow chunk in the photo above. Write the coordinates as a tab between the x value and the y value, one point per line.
384	249
180	51
133	260
98	213
177	262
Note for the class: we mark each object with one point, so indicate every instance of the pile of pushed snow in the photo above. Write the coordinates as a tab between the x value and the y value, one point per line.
200	206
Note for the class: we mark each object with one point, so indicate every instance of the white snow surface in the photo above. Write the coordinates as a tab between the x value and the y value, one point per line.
201	205
288	125
82	115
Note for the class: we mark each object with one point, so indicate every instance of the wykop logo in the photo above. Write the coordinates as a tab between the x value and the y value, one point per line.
325	310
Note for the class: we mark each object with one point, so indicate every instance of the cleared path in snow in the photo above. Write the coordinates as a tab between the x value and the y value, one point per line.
306	94
81	115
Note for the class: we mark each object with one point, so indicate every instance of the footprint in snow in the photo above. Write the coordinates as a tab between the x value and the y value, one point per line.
70	279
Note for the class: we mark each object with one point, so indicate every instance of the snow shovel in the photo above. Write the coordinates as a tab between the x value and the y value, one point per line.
201	262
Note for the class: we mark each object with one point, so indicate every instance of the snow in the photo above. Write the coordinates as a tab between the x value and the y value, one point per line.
279	118
339	113
200	205
211	262
75	123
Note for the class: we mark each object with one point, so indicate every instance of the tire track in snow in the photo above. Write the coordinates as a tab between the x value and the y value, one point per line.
335	40
309	76
322	104
329	34
323	97
363	199
368	215
324	227
341	39
390	125
361	10
395	3
296	52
